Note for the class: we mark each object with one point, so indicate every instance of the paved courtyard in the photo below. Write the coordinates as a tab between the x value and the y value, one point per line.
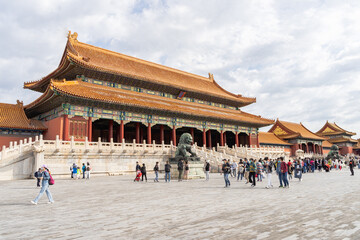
322	206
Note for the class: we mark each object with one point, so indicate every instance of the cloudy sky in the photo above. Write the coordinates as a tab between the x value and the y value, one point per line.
299	58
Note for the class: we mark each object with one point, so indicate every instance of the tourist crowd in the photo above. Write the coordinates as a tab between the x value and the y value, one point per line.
253	170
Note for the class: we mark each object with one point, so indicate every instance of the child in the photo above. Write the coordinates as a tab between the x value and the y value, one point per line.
78	172
138	175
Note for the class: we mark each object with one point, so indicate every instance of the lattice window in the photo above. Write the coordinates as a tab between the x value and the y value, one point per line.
78	128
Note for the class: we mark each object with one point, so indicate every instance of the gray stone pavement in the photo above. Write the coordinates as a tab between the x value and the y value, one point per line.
322	206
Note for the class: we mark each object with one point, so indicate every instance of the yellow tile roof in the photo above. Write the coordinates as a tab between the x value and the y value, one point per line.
327	144
333	129
271	138
103	60
13	116
295	130
91	91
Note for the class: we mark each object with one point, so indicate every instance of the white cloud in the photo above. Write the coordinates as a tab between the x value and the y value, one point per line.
299	58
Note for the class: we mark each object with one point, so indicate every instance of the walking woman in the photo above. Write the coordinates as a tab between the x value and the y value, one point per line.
45	176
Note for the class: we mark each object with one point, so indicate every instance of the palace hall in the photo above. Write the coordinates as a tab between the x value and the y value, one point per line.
101	94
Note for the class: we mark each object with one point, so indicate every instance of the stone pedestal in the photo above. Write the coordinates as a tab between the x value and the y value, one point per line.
196	170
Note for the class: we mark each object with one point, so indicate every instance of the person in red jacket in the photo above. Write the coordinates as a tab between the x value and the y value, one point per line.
284	172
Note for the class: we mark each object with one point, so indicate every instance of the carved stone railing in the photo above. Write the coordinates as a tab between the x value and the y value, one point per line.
254	151
15	149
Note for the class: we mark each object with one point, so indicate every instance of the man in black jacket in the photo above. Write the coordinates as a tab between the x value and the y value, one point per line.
351	165
180	169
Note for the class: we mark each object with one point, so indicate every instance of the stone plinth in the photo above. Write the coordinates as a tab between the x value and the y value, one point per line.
196	170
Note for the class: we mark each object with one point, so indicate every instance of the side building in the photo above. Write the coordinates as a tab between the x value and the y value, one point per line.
298	136
339	136
97	93
15	125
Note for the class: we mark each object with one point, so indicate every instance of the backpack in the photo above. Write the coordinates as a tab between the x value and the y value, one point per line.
51	180
167	167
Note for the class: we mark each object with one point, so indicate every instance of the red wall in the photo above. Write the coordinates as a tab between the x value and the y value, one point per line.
346	150
55	127
5	140
253	140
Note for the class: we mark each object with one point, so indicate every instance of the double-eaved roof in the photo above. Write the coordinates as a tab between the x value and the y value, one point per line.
84	59
80	57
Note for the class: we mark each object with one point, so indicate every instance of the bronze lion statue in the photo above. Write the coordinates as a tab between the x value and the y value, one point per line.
184	147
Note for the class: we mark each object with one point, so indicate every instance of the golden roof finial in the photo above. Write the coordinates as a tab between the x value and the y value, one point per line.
211	76
19	103
72	36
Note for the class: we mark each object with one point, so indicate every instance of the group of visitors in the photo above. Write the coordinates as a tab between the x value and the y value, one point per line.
183	169
253	170
76	171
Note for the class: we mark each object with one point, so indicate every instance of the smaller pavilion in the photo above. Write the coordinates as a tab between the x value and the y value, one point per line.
299	136
339	136
15	126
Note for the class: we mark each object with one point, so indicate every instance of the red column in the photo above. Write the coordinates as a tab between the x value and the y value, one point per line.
250	139
209	139
192	134
137	132
161	133
204	137
89	129
307	148
322	150
174	135
237	139
149	133
224	138
66	128
221	138
111	131
121	131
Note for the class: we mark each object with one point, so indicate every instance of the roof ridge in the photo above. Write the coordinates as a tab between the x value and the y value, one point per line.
142	61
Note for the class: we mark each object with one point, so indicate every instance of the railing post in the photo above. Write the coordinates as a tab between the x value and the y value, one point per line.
11	145
30	140
21	146
25	141
122	144
86	144
57	142
111	144
72	143
41	140
99	144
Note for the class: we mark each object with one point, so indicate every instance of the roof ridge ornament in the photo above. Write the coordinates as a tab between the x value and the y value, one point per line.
211	76
72	36
19	103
